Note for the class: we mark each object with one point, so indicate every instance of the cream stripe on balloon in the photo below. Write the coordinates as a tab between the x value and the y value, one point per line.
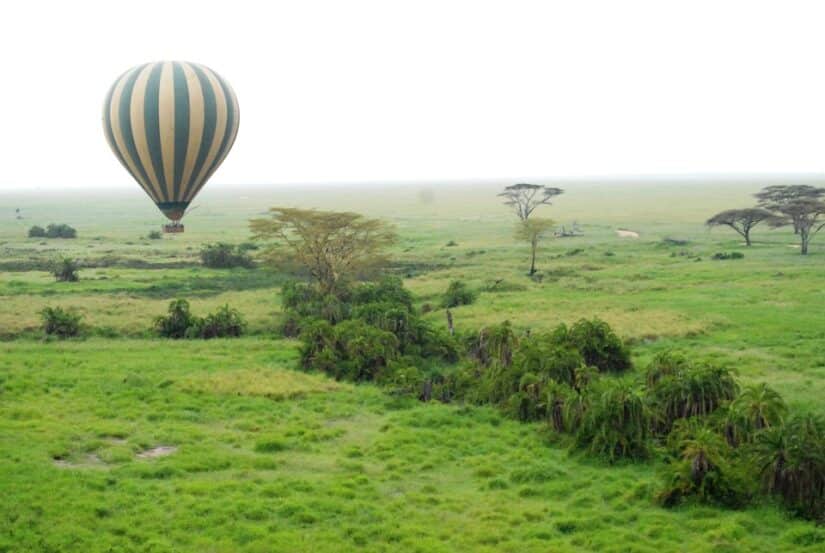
117	133
136	114
166	119
220	130
196	123
233	131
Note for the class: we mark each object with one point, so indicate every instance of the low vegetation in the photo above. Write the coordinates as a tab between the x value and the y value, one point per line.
225	256
53	231
180	323
60	323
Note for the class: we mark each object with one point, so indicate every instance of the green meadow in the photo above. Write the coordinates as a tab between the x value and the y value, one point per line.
120	441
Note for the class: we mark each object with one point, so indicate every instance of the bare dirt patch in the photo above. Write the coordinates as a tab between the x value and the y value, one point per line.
92	460
624	233
159	451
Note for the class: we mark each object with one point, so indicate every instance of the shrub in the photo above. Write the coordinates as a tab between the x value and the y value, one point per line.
791	462
665	364
615	424
154	235
691	391
60	231
224	256
597	343
177	320
387	290
37	232
458	294
493	344
725	255
757	408
66	270
224	323
704	468
59	322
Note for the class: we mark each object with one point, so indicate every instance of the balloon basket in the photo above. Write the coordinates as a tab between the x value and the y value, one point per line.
173	228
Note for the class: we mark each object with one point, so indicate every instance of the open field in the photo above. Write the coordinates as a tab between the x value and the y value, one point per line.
269	459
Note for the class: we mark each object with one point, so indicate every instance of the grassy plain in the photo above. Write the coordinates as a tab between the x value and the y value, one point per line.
268	459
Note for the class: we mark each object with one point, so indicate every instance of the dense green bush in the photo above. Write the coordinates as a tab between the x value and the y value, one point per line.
61	323
60	231
597	343
690	391
725	255
65	270
704	467
225	256
179	322
757	408
37	232
457	294
616	423
790	459
154	235
226	322
493	344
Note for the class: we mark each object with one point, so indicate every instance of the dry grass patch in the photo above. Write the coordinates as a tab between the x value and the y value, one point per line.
271	383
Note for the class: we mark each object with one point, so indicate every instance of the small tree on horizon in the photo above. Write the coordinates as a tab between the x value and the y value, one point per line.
533	231
332	246
743	220
524	198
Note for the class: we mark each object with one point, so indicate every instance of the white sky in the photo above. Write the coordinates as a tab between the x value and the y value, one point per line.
389	90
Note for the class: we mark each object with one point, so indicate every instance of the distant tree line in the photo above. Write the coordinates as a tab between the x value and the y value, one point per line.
53	231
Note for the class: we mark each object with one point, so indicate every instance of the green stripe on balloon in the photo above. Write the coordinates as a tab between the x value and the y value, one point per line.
151	121
210	121
124	113
181	124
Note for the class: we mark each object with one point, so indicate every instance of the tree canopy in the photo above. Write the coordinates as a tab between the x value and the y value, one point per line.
524	198
331	246
779	196
807	216
743	220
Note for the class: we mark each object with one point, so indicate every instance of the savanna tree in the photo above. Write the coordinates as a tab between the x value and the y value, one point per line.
775	197
533	231
743	220
332	246
524	198
807	216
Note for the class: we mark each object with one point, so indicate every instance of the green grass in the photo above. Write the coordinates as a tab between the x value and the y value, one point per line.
269	459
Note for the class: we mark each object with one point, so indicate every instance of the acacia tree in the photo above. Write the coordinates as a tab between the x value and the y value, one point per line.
533	231
778	196
331	246
807	216
742	220
524	198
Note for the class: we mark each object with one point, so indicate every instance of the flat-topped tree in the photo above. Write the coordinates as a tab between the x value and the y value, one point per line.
777	196
333	247
743	220
807	216
524	198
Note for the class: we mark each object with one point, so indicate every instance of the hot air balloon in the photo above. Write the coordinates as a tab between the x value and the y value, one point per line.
171	124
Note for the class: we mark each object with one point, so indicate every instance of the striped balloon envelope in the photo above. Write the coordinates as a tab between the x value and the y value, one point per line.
171	124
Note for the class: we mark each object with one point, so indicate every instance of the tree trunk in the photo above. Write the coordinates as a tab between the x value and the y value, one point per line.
533	260
450	322
803	234
747	238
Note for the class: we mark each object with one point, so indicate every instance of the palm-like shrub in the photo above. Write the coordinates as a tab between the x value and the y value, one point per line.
597	343
550	361
690	391
791	462
757	407
704	468
616	423
494	344
665	364
226	322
